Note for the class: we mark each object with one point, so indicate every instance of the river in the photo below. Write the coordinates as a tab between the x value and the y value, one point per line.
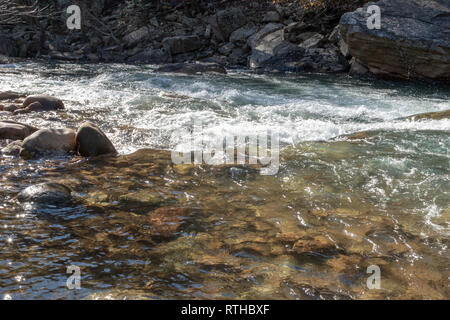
140	226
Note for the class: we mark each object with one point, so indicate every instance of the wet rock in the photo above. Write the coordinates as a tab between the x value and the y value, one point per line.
193	68
143	198
430	116
182	44
48	142
318	244
33	107
47	102
15	130
10	95
166	221
413	42
11	108
65	56
91	141
344	263
46	193
357	69
12	149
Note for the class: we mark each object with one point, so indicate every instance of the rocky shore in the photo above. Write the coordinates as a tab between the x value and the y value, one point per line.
209	36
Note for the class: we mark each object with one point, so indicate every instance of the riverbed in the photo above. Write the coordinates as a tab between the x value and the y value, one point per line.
143	227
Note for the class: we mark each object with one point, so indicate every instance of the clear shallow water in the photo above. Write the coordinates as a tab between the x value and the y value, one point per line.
335	207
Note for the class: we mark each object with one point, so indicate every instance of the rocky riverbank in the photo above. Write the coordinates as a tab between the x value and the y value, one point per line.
260	35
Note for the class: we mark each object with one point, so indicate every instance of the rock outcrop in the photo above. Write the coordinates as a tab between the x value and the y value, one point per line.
412	43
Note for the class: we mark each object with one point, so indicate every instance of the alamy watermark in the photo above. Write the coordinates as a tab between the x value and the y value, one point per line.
374	20
74	281
374	281
238	149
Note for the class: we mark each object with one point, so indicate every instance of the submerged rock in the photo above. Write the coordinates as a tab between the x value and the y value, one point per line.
143	198
166	221
193	68
47	102
12	149
48	141
46	193
318	244
430	116
91	141
15	130
412	43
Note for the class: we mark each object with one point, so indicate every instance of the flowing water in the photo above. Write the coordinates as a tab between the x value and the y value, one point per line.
140	226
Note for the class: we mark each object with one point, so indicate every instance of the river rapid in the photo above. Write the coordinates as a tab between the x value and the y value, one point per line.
141	226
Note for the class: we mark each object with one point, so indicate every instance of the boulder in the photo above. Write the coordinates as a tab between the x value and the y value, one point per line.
182	44
326	60
412	43
47	102
226	21
295	32
48	142
12	149
15	130
10	95
312	41
357	69
11	108
45	193
8	46
137	36
151	56
193	68
91	141
34	107
240	36
271	52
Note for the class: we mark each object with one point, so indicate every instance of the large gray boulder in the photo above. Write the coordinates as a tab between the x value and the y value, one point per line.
413	41
48	142
91	141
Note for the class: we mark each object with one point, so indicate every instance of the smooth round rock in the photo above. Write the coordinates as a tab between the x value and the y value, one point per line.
46	193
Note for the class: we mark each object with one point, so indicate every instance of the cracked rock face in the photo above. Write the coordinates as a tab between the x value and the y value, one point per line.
412	43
